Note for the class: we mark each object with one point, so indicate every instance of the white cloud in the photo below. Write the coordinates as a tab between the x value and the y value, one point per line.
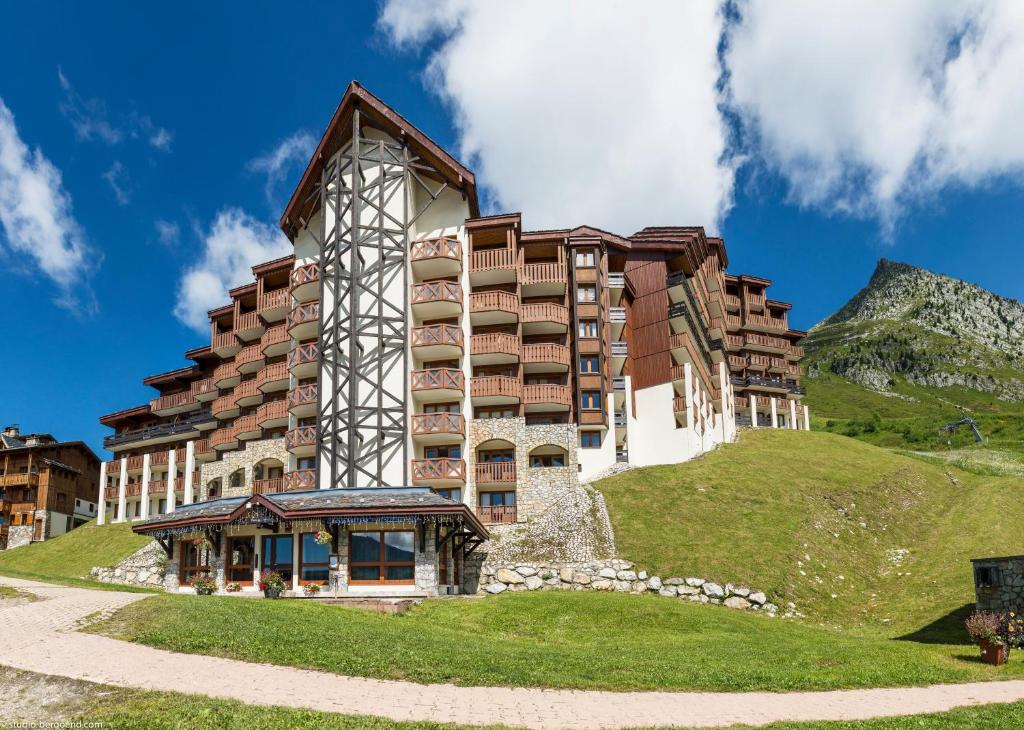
234	244
867	107
38	224
582	111
91	120
117	178
276	164
168	232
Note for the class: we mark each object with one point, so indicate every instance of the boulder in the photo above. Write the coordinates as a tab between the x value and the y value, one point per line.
608	573
741	592
695	582
601	584
654	583
581	578
758	598
533	582
526	571
674	582
669	591
504	575
565	574
642	575
497	588
713	590
622	586
737	602
639	586
626	575
687	590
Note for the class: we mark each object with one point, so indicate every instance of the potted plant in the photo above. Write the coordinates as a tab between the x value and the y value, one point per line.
272	584
322	537
204	584
233	588
987	631
312	590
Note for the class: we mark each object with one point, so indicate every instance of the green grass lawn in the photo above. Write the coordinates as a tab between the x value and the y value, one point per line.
68	558
550	639
857	536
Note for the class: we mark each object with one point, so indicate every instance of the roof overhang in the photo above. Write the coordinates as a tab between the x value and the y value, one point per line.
112	419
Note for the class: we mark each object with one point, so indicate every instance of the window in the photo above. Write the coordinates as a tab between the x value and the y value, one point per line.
495	456
193	562
588	328
588	363
586	293
241	559
306	462
497	499
454	494
538	461
590	439
591	400
442	408
314	560
382	557
585	258
986	576
495	413
442	452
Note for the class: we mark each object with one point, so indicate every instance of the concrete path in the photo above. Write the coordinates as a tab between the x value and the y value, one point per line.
41	637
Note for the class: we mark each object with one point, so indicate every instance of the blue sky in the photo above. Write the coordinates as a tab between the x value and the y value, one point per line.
153	117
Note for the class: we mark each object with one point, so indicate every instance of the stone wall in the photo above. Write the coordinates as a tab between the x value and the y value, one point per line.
618	576
144	567
19	535
253	453
999	584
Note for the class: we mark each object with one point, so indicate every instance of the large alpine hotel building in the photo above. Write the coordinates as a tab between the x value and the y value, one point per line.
416	376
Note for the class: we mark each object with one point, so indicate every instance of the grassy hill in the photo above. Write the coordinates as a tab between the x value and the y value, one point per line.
855	535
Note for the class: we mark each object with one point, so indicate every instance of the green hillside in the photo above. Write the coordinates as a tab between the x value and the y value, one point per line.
852	534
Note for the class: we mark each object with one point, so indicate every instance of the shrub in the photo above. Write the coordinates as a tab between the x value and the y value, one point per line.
204	584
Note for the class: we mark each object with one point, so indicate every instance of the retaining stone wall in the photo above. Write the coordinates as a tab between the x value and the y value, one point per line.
144	567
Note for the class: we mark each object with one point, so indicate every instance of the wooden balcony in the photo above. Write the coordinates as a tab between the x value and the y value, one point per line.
248	393
439	472
111	493
304	321
276	340
765	322
503	514
679	404
250	358
547	397
755	302
495	472
545	357
436	299
26	479
733	342
246	428
302	400
737	362
157	458
268	486
225	344
493	307
438	428
167	405
226	375
134	489
305	282
204	390
494	348
304	360
741	403
492	266
273	414
777	365
435	258
301	441
202	450
490	390
765	343
437	341
758	362
795	352
732	302
732	322
300	480
273	377
438	385
274	305
544	318
543	279
224	407
249	326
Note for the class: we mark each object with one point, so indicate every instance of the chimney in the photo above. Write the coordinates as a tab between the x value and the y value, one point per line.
12	430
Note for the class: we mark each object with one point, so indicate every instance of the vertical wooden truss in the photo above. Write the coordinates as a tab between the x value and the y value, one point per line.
370	195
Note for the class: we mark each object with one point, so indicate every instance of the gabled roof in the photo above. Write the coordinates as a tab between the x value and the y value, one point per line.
379	115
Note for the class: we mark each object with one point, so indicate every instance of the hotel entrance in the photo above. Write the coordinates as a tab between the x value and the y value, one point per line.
278	555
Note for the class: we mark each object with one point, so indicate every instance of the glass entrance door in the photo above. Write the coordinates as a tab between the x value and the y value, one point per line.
278	555
241	553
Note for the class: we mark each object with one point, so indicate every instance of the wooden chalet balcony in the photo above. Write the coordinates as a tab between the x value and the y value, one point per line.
493	307
616	280
273	377
777	364
249	326
111	493
225	344
741	402
733	342
765	343
305	282
795	352
494	348
496	472
437	341
274	305
679	376
436	299
301	441
248	393
679	404
544	318
304	360
157	458
546	356
226	375
202	450
268	486
437	385
547	397
300	480
436	257
302	400
224	407
436	428
167	405
792	371
492	266
134	489
304	320
114	467
737	362
250	358
765	322
716	327
732	322
543	279
732	302
204	390
273	414
496	390
26	479
758	362
276	340
438	472
500	515
755	301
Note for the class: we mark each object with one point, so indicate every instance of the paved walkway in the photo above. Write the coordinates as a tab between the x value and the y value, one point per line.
41	637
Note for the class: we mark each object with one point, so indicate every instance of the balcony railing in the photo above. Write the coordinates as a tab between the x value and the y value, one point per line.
300	480
302	395
616	279
202	387
741	402
438	423
734	342
620	419
547	394
546	353
545	273
737	361
134	489
620	349
437	334
160	430
305	274
299	437
487	386
545	312
223	372
766	321
795	352
225	404
274	299
272	411
303	314
223	437
679	404
111	493
26	479
245	426
438	379
249	356
496	472
157	458
276	335
732	321
755	300
304	354
201	447
616	315
732	301
497	258
436	291
436	248
426	470
490	301
248	321
272	373
495	343
619	383
268	486
174	400
500	515
224	340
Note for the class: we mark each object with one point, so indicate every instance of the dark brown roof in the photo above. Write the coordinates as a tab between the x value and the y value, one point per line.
285	262
128	413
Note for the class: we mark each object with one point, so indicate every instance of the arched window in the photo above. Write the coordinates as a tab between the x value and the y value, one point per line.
213	488
548	455
268	469
237	478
